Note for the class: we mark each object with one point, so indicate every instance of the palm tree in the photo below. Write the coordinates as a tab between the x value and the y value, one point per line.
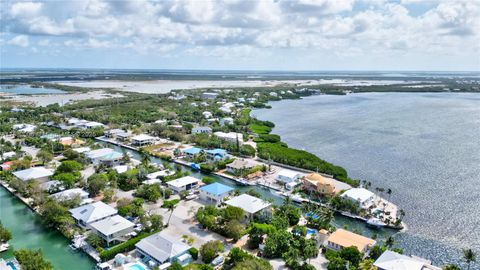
367	265
389	241
451	267
170	207
389	192
469	257
145	159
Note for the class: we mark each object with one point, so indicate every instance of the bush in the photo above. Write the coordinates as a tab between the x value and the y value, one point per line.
193	252
208	180
210	250
123	247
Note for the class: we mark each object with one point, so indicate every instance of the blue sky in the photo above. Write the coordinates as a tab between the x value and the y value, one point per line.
242	35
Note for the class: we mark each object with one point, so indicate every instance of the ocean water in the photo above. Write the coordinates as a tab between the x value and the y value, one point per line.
28	90
424	146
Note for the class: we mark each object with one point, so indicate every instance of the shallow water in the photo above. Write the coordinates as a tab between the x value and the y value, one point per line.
28	90
425	147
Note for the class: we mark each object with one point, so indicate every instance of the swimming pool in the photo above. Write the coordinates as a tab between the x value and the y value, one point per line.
312	215
135	266
311	231
12	265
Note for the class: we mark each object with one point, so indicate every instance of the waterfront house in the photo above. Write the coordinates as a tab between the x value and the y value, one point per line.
192	152
71	194
123	136
24	128
163	248
288	176
209	95
90	213
50	136
363	197
232	137
201	130
113	228
315	182
105	156
183	183
142	139
217	154
39	174
154	178
112	133
215	192
342	239
252	206
226	121
82	150
240	165
51	186
92	125
390	260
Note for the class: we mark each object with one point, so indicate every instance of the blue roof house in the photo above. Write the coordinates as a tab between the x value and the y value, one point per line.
192	152
217	154
215	192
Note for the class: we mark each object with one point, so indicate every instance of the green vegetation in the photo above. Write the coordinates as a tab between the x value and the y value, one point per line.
32	260
5	234
238	259
210	250
128	245
150	193
225	221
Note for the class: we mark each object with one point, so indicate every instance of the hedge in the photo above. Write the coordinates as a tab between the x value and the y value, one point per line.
123	247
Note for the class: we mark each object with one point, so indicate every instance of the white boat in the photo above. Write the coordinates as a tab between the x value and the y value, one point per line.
375	222
4	247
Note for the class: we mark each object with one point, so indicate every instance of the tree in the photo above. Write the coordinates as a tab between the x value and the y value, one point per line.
234	229
156	222
210	250
277	244
150	193
175	266
68	179
351	254
232	213
367	265
389	241
337	263
44	156
32	260
5	234
469	257
69	166
56	215
94	240
170	205
96	183
254	264
451	267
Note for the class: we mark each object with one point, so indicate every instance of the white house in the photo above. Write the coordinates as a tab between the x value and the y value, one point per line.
92	125
143	139
40	174
70	194
201	130
226	121
215	192
230	136
363	197
162	249
251	205
24	128
8	155
390	260
288	176
207	115
154	178
87	214
183	183
209	95
113	228
112	133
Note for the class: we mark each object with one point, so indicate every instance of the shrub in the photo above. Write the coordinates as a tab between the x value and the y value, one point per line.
193	252
123	247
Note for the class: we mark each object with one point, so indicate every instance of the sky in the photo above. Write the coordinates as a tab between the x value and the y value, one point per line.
242	34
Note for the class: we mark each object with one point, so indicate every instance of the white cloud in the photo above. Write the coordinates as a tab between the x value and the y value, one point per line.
21	40
25	9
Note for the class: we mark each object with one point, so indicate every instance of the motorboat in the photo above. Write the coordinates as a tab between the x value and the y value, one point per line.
376	222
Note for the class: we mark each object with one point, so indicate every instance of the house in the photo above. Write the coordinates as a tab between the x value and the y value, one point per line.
207	115
112	133
240	165
8	155
192	152
209	95
230	136
342	239
82	150
154	178
40	174
288	176
183	183
320	184
66	141
217	154
252	206
50	136
363	197
143	139
201	130
106	156
123	136
24	128
162	248
7	166
70	194
215	192
92	125
226	121
90	213
390	260
161	122
225	110
51	186
113	228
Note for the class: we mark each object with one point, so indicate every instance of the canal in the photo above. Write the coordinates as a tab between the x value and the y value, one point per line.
29	232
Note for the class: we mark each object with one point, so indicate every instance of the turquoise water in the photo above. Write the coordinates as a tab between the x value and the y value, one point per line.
28	232
136	267
424	146
28	90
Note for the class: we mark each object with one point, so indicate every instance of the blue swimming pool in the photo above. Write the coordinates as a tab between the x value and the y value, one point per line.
312	215
12	265
311	231
136	266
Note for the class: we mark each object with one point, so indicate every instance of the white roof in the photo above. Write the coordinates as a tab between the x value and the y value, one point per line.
358	194
289	173
143	137
229	135
82	149
248	203
183	181
93	124
93	212
390	260
33	173
112	225
155	175
8	154
70	194
162	246
99	153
